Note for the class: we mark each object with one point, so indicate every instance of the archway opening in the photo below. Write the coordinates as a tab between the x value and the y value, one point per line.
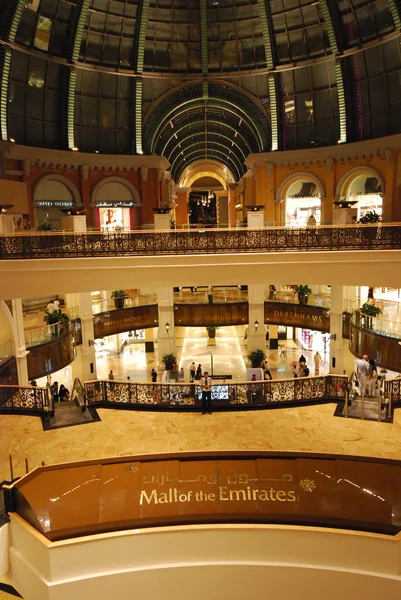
302	201
52	200
114	203
366	191
202	208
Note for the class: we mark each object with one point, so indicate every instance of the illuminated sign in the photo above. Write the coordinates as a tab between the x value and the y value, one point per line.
121	203
55	203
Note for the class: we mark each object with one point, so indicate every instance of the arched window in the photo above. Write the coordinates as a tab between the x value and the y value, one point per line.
114	199
366	191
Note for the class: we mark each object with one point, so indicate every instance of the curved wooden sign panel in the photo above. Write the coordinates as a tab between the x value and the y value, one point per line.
126	319
202	315
51	357
303	489
298	315
385	350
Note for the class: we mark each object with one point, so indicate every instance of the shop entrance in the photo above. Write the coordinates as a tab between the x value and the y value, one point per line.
302	201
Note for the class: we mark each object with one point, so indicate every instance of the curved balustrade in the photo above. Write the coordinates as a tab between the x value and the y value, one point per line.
290	297
385	350
52	356
225	396
139	243
109	304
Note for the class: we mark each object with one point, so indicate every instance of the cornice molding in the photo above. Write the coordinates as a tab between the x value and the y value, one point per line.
345	153
74	160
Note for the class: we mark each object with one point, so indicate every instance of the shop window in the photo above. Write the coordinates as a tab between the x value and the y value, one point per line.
302	201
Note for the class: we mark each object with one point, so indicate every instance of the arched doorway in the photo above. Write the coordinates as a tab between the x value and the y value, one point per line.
366	190
53	197
114	200
302	200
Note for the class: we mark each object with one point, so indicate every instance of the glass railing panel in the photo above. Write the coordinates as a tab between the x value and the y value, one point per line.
290	297
99	306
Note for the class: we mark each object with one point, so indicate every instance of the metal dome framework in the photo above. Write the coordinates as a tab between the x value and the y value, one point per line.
91	73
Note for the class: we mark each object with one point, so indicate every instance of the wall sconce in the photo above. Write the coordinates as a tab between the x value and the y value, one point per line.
333	337
167	326
256	325
91	343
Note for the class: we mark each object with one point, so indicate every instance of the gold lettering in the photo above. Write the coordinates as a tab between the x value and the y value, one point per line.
276	313
235	495
211	497
255	494
271	494
149	499
163	498
223	493
291	496
281	496
263	495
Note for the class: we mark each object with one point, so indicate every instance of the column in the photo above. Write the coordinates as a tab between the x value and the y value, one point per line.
336	330
166	335
162	220
255	219
85	367
256	318
20	349
74	223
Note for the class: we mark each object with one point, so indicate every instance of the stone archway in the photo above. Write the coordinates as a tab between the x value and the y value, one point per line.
310	191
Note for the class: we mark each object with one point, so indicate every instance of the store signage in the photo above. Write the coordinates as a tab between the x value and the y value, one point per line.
125	319
309	317
56	203
96	496
122	204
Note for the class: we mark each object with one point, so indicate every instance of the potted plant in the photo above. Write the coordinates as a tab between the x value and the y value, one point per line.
211	331
119	298
169	360
370	217
256	357
303	291
45	226
60	321
369	310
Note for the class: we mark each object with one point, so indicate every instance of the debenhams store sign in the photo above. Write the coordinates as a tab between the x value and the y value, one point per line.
99	496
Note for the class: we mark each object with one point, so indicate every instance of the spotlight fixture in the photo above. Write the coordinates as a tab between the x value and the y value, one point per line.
333	337
256	325
167	326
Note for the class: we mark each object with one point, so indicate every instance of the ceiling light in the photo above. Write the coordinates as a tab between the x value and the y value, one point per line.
12	140
75	149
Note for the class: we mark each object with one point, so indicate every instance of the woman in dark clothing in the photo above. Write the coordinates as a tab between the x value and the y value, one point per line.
63	393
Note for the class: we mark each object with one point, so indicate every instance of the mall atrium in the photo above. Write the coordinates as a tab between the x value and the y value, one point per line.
191	186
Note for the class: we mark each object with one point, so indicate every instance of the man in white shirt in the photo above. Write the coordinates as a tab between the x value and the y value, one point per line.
362	372
206	384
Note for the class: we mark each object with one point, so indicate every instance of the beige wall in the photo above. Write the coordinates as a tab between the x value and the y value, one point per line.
15	193
220	562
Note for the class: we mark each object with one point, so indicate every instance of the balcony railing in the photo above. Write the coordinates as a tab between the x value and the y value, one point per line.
225	396
203	241
377	325
24	400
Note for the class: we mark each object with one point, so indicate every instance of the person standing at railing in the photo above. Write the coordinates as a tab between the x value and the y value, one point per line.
206	384
111	375
192	371
362	372
153	375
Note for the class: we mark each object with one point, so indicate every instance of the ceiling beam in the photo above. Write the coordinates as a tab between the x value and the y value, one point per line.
274	85
199	155
142	21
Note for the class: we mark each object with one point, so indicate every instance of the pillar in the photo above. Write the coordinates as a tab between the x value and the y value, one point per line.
86	351
255	219
256	313
74	223
6	223
273	337
336	330
166	334
232	211
162	221
20	349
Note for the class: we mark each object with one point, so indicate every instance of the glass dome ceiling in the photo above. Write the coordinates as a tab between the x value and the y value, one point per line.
193	79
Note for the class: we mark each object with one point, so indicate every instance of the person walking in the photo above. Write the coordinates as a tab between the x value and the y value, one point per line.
362	373
317	359
153	375
111	375
206	384
192	371
266	369
198	372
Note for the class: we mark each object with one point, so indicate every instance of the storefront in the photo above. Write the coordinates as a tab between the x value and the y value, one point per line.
115	216
302	201
49	213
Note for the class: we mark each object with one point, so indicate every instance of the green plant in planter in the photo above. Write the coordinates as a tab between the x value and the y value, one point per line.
370	217
60	320
45	226
368	311
211	331
256	357
169	360
119	298
303	291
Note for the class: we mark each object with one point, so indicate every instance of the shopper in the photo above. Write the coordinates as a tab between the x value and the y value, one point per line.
111	375
55	391
362	373
198	372
265	367
153	375
63	394
206	384
192	371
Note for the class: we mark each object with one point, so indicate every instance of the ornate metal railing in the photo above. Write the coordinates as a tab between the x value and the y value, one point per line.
187	396
205	241
24	400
